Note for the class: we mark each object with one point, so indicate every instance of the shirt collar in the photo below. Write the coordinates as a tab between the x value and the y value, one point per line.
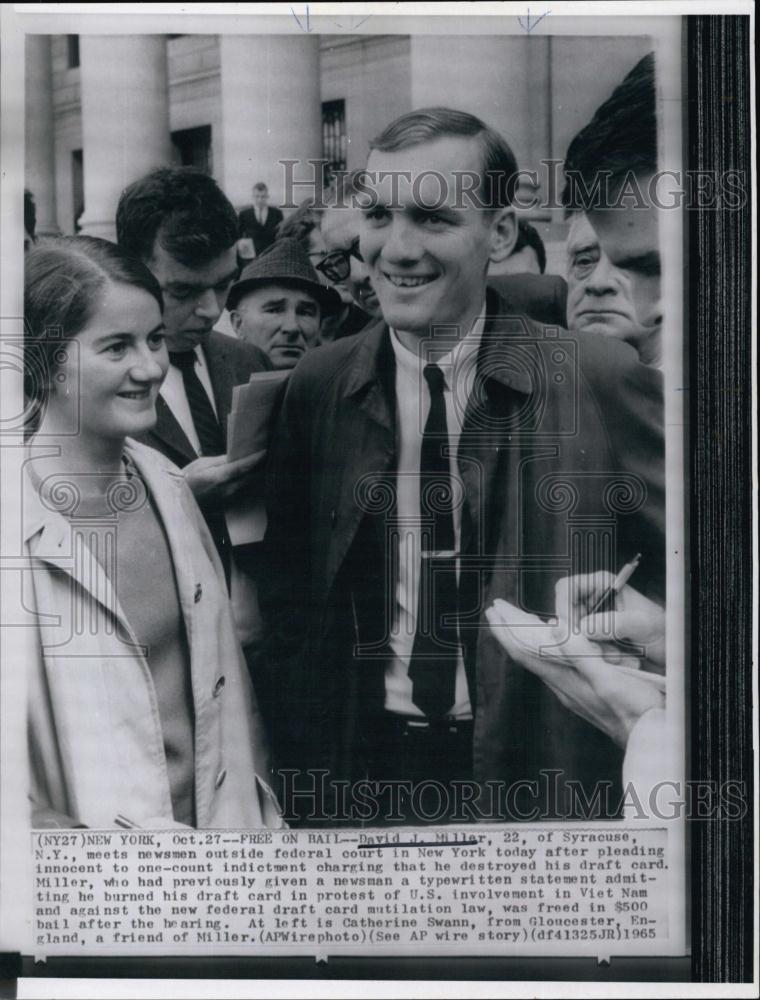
410	363
197	352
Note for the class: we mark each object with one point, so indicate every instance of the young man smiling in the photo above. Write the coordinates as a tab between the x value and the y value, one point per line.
448	455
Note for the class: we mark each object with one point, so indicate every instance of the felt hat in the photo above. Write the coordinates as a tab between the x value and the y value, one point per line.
285	262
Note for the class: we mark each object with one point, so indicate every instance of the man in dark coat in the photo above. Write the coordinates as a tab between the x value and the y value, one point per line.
182	226
542	297
259	221
447	456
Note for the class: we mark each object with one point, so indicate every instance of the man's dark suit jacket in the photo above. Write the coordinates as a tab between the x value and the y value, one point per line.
230	362
561	455
262	236
543	297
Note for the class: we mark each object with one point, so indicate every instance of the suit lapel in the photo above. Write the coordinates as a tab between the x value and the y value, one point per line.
170	439
478	449
221	374
504	384
165	487
365	485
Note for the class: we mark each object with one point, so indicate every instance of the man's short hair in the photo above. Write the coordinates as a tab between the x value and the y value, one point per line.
499	168
260	186
30	213
528	236
620	140
180	208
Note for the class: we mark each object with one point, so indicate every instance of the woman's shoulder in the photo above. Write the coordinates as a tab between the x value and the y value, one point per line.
148	459
161	476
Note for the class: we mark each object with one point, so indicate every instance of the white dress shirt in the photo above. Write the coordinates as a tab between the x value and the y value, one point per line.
412	408
175	397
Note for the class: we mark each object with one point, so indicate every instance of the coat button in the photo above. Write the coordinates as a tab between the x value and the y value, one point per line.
198	593
220	682
220	778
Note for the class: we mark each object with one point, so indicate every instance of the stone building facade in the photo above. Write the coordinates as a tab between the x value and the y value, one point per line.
102	110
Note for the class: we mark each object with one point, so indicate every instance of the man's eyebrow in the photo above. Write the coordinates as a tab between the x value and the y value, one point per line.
188	286
648	262
183	286
425	210
583	248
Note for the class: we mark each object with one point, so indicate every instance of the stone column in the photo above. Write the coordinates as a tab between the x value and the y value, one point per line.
40	134
271	111
125	120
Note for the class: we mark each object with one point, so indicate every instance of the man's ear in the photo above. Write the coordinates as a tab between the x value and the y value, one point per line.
503	235
235	320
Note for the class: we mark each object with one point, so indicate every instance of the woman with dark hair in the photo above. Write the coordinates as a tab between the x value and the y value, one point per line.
140	708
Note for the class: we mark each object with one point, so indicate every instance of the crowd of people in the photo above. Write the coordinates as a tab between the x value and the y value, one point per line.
442	449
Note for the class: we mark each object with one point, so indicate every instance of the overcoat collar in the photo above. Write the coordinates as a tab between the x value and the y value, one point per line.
50	535
501	356
368	458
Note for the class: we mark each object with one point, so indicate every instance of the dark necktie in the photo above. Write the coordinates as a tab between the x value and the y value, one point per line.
207	427
432	668
211	438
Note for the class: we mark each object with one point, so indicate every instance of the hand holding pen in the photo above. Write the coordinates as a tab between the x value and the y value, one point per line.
608	598
614	615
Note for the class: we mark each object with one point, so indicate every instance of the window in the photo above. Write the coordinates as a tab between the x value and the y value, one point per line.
192	148
72	51
334	136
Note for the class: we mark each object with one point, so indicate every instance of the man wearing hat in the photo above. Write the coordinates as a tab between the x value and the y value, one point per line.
279	302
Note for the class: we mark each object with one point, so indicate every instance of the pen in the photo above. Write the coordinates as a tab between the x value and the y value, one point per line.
607	601
128	824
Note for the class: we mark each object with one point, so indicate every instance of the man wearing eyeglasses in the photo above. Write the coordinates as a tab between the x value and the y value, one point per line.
343	262
304	226
450	454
